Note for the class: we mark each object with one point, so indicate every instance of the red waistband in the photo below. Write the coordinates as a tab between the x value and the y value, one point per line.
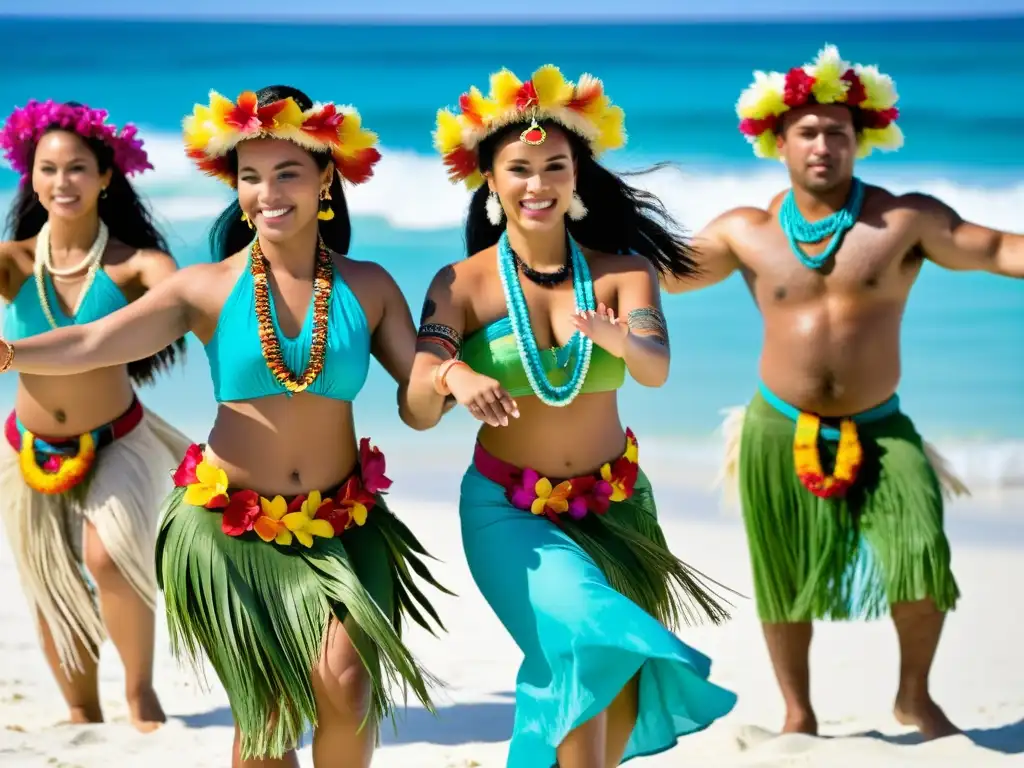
102	436
575	496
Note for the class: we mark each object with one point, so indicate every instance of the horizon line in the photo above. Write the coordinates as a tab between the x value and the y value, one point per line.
519	20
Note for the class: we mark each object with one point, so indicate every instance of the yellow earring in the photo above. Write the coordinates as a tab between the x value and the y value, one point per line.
326	212
247	220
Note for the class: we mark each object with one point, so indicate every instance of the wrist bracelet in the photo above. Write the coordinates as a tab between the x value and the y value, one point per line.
9	357
441	376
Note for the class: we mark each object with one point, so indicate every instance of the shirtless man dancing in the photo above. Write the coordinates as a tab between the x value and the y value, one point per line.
830	264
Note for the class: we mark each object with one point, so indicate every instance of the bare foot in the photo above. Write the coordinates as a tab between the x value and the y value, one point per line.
801	722
927	717
83	716
145	711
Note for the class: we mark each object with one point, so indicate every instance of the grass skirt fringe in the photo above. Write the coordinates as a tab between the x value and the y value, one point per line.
260	614
120	498
851	557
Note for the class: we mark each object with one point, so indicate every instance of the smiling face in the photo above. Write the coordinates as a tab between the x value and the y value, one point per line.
66	175
279	187
818	145
534	182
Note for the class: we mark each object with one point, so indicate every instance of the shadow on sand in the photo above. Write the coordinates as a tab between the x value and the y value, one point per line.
488	722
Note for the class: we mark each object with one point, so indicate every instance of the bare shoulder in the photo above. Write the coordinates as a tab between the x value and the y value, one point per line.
17	252
628	266
365	276
460	279
741	219
917	203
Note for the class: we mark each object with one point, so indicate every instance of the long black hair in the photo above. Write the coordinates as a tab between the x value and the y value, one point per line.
127	218
230	233
620	218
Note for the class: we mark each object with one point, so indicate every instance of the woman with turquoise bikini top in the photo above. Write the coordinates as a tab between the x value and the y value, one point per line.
277	554
78	506
533	333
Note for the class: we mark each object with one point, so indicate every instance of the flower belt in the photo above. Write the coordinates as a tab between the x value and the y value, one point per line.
849	453
575	497
54	465
279	521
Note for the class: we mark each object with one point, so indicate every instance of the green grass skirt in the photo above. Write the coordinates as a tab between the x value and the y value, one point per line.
260	613
845	558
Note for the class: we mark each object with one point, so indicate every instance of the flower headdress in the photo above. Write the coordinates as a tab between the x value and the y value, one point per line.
582	108
212	131
26	126
829	80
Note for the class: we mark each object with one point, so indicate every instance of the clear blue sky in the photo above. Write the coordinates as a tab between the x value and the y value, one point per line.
425	10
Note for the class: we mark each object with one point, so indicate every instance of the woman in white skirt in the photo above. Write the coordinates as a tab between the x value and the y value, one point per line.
86	464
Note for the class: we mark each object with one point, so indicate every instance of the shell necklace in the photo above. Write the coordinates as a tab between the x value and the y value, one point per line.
43	261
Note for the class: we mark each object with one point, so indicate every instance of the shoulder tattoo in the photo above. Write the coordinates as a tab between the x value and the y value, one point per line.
651	322
434	337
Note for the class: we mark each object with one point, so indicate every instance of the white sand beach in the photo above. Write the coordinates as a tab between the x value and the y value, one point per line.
978	676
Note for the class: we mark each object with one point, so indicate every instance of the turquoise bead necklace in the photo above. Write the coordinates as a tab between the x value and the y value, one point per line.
800	230
579	347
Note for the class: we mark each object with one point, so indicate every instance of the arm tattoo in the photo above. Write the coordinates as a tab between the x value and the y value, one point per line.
649	319
442	336
429	308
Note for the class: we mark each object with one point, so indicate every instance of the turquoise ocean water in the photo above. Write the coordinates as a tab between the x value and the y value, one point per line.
963	335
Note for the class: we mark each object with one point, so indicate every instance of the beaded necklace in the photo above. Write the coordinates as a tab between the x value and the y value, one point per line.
93	260
799	230
579	346
323	282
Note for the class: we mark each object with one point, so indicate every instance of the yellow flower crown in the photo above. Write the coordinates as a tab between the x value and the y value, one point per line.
829	80
211	132
582	108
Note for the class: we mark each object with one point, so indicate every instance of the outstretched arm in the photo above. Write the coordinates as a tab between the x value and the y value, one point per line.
394	339
637	333
959	245
141	329
714	255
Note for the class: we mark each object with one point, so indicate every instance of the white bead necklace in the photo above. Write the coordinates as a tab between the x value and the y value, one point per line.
44	261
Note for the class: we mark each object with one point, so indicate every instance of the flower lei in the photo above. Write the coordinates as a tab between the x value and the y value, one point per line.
580	346
829	80
212	131
582	108
807	460
323	283
59	473
304	518
580	495
26	125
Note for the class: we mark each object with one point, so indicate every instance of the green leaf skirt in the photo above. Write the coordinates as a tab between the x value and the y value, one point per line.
259	612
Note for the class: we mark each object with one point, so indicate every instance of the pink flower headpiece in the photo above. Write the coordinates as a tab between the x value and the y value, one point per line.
27	124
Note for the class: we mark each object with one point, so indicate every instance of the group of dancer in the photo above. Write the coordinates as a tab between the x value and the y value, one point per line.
278	557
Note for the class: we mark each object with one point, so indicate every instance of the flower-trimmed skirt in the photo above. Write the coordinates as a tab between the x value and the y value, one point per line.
579	573
253	583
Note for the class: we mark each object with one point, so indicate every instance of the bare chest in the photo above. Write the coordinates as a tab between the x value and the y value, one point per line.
870	260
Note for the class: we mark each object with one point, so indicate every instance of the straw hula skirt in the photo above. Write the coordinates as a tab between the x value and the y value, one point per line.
253	583
579	573
113	477
849	542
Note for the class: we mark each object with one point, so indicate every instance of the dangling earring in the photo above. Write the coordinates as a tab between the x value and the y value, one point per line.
326	212
577	210
494	209
247	220
103	192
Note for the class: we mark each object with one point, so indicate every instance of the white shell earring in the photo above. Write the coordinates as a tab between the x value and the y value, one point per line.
577	210
494	209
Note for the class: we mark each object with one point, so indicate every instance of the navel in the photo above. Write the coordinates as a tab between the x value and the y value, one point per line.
296	477
60	416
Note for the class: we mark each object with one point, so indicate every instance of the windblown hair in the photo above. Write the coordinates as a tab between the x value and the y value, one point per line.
230	234
127	218
620	218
